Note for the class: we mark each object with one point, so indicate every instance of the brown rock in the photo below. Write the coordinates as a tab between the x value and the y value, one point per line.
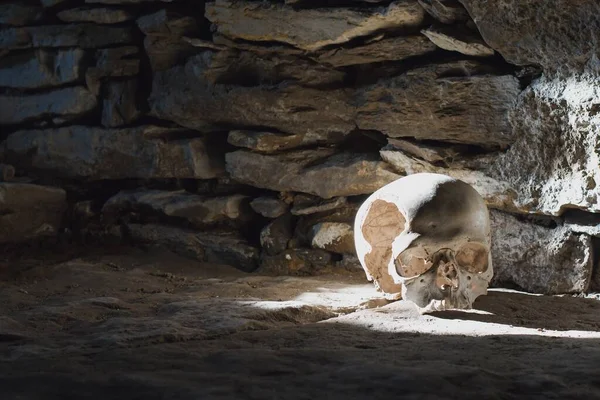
167	23
426	152
279	23
265	142
269	207
305	205
539	259
497	194
335	237
318	172
191	96
41	68
95	15
120	106
446	11
428	103
459	40
387	49
64	104
95	153
30	211
165	52
199	211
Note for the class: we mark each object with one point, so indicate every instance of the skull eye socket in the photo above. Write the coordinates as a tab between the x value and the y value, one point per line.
473	257
412	263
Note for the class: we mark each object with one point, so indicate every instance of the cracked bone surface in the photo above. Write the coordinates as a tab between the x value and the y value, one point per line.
425	238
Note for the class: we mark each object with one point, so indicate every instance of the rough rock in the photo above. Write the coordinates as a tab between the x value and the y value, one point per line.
446	11
199	211
428	152
582	222
95	15
30	211
222	248
95	153
52	3
120	106
497	194
265	142
426	103
350	262
335	237
304	231
539	32
250	65
72	35
118	61
127	1
167	23
318	172
164	43
189	95
537	258
248	68
166	52
114	62
61	104
553	165
276	236
300	262
305	205
459	40
387	49
269	207
17	14
39	68
279	23
7	173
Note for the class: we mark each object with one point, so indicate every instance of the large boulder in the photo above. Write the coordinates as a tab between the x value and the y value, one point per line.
557	35
553	165
538	258
441	102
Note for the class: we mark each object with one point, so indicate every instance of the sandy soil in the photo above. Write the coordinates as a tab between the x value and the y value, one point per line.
146	325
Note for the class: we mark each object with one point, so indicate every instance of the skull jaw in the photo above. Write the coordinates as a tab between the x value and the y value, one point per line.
424	292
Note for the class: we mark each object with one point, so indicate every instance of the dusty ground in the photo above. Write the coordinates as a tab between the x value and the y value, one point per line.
144	325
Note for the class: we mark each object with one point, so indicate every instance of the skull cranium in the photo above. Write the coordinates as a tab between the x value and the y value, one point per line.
426	238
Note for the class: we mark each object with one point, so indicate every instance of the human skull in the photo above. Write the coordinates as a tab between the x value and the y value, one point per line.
426	238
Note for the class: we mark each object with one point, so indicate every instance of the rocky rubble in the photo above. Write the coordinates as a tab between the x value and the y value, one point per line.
248	133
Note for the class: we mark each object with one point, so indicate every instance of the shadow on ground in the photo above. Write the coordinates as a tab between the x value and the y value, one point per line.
147	326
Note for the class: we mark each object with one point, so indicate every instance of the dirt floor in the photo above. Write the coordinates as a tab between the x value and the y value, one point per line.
135	324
